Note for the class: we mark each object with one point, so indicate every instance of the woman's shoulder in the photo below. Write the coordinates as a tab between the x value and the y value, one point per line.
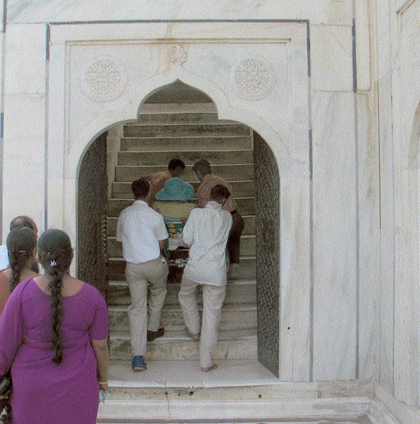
92	293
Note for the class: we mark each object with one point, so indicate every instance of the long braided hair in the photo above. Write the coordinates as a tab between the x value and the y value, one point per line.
56	254
20	246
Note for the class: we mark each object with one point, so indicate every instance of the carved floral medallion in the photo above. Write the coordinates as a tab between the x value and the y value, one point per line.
254	79
104	80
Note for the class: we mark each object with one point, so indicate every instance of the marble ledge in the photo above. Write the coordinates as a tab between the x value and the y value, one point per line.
332	12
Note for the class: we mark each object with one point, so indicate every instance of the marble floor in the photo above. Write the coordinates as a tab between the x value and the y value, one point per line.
167	388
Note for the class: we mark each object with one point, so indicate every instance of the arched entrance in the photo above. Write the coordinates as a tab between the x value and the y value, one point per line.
201	135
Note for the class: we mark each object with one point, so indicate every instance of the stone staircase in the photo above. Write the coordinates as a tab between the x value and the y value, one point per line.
189	132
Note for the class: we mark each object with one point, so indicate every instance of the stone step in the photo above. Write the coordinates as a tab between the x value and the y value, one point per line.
186	143
247	246
180	130
237	292
234	317
247	268
248	230
239	391
175	345
122	190
246	206
134	158
178	118
230	172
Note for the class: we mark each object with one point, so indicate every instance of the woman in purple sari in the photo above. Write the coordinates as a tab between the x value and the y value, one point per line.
53	336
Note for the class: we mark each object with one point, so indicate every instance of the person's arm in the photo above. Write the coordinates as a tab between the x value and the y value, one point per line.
188	231
161	233
100	348
11	329
162	244
98	334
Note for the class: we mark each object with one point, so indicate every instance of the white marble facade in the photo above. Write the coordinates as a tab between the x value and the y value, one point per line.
338	105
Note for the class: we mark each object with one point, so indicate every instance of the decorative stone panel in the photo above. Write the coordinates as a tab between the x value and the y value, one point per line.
104	79
92	214
254	79
267	221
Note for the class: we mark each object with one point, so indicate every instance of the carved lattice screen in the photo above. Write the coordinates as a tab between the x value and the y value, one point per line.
92	216
267	223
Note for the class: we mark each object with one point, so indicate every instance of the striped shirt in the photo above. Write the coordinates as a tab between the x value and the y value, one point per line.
209	181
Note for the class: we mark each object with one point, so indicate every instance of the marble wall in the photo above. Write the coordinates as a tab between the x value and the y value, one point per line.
398	84
316	109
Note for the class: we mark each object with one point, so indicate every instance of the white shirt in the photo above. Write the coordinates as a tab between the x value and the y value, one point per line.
4	257
207	232
139	229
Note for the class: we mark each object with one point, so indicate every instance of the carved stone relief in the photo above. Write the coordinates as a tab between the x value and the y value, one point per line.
254	79
177	54
104	80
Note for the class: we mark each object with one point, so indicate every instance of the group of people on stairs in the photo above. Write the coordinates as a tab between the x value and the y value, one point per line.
211	228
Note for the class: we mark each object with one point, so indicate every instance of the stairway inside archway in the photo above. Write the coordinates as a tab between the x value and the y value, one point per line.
190	131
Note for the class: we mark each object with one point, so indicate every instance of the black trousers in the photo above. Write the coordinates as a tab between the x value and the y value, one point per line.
234	243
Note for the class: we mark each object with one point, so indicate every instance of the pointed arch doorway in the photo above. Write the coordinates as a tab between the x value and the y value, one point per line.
255	180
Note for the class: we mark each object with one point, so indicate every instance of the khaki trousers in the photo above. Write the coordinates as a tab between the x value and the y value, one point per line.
140	278
213	297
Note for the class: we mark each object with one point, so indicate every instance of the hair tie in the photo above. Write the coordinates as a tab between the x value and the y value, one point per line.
22	251
53	264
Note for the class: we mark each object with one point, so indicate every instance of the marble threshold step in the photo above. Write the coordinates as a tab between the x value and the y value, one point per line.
116	267
234	317
175	345
239	391
237	292
189	142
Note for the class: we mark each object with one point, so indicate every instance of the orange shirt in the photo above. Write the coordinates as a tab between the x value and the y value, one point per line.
209	181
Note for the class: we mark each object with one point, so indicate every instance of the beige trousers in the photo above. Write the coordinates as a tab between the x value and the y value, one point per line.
213	297
140	278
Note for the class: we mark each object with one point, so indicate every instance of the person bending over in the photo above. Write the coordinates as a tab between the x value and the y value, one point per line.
157	180
208	180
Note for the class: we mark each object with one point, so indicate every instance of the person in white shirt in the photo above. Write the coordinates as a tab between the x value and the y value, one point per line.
21	221
207	232
143	233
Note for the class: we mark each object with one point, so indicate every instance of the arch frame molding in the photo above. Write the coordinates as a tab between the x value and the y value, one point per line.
212	57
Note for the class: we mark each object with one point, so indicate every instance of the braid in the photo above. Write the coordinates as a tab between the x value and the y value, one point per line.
55	286
17	265
20	246
56	254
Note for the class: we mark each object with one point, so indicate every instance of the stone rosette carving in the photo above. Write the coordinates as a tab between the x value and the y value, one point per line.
104	79
253	78
177	54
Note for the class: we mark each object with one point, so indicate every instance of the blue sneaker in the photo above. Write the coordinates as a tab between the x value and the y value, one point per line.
139	364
